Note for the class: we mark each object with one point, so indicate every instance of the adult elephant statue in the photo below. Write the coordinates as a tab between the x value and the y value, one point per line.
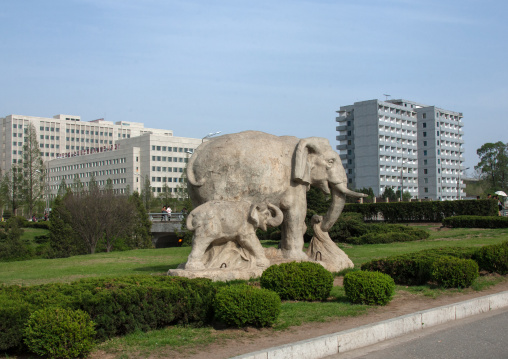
259	167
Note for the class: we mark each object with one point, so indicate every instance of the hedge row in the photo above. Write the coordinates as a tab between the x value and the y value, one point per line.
117	305
350	228
428	211
476	222
416	268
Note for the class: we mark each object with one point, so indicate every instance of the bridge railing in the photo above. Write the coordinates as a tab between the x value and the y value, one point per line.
161	217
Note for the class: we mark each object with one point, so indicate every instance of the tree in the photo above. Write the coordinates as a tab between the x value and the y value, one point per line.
63	241
10	188
406	196
146	193
140	236
62	188
390	194
493	164
77	185
32	170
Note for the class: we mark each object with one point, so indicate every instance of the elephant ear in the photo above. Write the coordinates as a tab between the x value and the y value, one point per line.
253	215
303	164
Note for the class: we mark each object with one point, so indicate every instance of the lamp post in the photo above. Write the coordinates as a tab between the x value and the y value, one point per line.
458	182
211	134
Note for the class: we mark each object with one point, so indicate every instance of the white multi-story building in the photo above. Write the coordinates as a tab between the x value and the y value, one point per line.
64	136
126	153
160	159
402	144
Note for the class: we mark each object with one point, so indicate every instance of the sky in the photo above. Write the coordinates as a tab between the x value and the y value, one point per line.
282	67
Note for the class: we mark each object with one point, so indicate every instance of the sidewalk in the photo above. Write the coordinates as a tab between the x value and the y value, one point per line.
344	341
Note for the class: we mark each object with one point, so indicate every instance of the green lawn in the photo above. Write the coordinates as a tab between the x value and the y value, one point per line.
158	261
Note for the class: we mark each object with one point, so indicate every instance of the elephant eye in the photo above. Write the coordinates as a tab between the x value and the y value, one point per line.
330	162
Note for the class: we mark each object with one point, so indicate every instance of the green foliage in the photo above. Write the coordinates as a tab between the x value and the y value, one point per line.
350	228
12	246
122	305
140	237
415	268
493	258
60	333
476	222
348	225
453	272
493	164
369	287
427	211
298	281
243	305
63	241
14	314
390	194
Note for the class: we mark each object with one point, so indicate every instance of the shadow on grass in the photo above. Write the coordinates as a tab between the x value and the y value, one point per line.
159	268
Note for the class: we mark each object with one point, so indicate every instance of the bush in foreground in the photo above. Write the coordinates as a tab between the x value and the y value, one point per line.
243	305
298	281
452	272
493	258
60	333
369	287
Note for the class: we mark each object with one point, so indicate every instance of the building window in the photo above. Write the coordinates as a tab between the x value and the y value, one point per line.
349	133
438	152
438	161
424	171
425	143
424	116
425	134
425	152
426	190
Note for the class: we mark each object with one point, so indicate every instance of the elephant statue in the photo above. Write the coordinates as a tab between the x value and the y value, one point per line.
261	168
217	222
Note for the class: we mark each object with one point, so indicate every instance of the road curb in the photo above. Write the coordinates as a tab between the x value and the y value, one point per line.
369	334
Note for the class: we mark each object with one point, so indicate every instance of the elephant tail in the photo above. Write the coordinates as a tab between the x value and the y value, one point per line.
191	178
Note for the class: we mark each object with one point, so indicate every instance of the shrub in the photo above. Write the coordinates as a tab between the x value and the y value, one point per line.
452	272
476	222
415	268
368	287
428	211
243	305
60	333
347	226
493	258
14	314
298	281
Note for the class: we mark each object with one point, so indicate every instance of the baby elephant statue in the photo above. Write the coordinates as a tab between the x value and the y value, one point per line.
217	222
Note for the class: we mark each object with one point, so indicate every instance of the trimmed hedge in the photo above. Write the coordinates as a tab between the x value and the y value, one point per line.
415	268
368	287
452	272
298	281
476	222
243	305
60	333
493	258
428	211
117	305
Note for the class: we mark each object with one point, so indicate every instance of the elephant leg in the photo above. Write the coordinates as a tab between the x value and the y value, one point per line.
199	246
293	226
252	244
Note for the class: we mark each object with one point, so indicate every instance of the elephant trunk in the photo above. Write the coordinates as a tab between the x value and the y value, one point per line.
339	192
334	211
276	220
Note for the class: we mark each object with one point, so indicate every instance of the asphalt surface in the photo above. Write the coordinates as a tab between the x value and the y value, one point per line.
480	336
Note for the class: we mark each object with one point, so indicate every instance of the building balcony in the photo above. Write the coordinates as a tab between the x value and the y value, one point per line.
341	128
342	137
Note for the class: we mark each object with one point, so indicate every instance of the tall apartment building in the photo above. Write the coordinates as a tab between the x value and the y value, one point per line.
402	144
124	152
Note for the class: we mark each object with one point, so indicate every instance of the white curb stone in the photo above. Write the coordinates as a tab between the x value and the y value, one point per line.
363	336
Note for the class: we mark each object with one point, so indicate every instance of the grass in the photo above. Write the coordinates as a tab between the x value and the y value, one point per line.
179	338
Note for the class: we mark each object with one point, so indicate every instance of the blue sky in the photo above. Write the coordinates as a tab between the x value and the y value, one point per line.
282	67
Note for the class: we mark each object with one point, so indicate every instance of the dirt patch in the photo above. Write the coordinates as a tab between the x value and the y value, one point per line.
250	340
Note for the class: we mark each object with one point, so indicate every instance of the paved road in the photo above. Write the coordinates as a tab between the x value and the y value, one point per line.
481	336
